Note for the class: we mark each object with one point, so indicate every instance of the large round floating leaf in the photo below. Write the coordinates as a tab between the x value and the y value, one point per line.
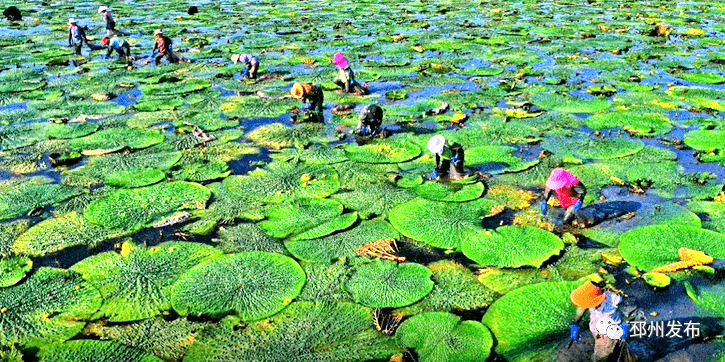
456	289
278	136
71	130
224	208
199	172
253	285
567	104
247	237
296	217
46	308
443	337
114	139
173	88
60	232
451	192
710	143
439	224
636	123
584	147
256	107
374	199
648	247
341	244
13	270
387	284
512	246
389	151
303	332
20	196
713	214
135	284
524	329
482	155
134	209
20	135
314	155
701	77
135	177
281	182
91	350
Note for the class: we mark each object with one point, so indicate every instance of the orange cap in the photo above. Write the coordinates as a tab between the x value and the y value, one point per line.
299	90
588	295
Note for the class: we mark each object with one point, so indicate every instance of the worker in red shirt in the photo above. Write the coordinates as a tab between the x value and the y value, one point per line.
569	191
163	47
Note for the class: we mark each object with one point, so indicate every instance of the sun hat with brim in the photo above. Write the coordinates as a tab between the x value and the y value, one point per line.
235	58
71	21
588	295
559	178
102	9
158	31
299	90
340	60
436	144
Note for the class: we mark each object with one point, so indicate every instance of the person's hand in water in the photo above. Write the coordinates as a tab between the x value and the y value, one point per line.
544	207
578	205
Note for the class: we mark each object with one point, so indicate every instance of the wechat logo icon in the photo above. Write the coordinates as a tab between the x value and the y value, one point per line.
606	326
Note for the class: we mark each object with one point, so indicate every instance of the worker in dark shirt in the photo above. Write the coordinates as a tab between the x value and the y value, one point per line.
76	36
163	47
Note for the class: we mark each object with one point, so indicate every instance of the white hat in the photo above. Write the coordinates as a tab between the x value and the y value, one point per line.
235	58
102	9
436	144
71	21
158	31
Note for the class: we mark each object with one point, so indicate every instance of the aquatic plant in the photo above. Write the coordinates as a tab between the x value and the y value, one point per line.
85	349
511	246
387	284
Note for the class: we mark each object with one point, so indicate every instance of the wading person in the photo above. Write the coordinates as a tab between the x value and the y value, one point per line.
108	20
346	78
250	61
76	36
605	320
163	47
569	191
119	45
312	94
369	125
449	161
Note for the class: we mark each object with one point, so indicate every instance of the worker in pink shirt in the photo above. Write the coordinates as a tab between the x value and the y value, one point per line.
569	191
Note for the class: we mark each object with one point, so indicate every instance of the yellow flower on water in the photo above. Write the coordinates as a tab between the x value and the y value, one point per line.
126	249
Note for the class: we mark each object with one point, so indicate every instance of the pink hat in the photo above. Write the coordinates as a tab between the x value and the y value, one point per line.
339	60
559	178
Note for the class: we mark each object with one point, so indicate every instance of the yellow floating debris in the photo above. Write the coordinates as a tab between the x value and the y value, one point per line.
417	48
382	249
459	118
694	32
694	255
720	197
616	180
397	38
496	210
126	249
612	258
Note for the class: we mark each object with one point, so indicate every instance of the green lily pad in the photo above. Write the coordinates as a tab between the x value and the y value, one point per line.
135	178
524	329
277	135
134	209
60	232
198	172
86	350
708	142
443	337
303	332
387	284
456	289
171	88
512	246
247	237
297	217
46	308
439	224
636	123
497	154
135	284
649	247
383	152
450	193
13	270
71	130
325	282
114	139
280	182
584	147
702	77
224	208
16	136
374	199
314	155
21	196
713	214
263	284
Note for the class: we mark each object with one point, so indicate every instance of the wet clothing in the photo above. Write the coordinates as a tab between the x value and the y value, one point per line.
313	94
606	309
110	23
252	64
163	47
450	162
347	81
568	197
370	121
12	13
119	45
76	38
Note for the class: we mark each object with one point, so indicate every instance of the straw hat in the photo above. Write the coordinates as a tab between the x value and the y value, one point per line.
102	9
340	60
299	90
71	21
158	31
437	144
235	58
559	178
588	295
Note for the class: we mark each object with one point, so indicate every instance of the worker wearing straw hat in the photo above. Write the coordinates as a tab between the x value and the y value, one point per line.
76	36
569	191
309	93
162	47
346	79
108	20
605	320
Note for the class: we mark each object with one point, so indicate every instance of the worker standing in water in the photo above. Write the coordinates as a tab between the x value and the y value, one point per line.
569	191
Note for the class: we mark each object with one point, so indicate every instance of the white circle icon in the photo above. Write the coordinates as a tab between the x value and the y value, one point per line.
615	332
602	325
